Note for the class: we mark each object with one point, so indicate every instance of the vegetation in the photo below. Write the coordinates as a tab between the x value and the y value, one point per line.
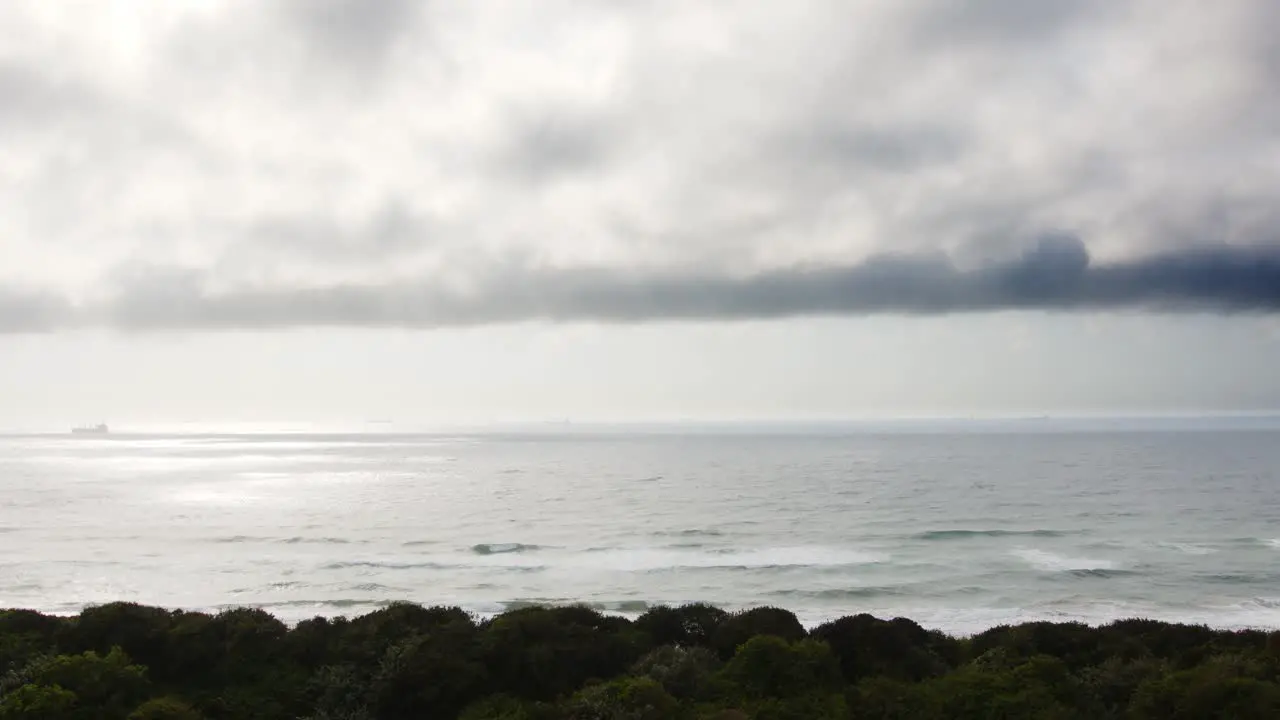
130	662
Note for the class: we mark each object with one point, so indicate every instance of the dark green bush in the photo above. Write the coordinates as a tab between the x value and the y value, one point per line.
124	661
165	709
622	699
899	649
686	626
543	653
682	671
738	628
38	702
766	666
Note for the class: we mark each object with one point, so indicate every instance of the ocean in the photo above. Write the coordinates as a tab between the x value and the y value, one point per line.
958	525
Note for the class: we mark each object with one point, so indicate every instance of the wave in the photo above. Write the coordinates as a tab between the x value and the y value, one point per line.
240	539
534	558
625	607
368	587
620	606
521	604
691	532
294	540
1256	541
339	603
1049	562
1188	548
503	548
287	584
383	565
443	564
375	587
934	535
24	587
661	559
316	540
419	543
1103	572
1241	578
861	593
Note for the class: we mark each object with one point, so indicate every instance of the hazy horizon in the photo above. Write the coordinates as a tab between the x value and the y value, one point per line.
1269	419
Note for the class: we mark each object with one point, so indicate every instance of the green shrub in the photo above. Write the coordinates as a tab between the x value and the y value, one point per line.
165	709
740	627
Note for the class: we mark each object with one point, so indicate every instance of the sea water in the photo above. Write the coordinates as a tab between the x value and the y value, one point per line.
960	526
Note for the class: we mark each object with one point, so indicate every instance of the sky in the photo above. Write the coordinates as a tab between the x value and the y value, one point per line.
444	211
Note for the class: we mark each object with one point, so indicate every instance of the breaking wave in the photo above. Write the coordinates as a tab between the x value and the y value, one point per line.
624	607
339	604
690	532
659	559
294	540
933	535
523	557
502	548
1188	548
1082	567
859	593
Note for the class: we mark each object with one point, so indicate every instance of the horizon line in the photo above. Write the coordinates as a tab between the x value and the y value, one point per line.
569	425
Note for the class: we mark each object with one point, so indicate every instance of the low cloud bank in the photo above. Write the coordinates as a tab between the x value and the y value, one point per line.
1055	274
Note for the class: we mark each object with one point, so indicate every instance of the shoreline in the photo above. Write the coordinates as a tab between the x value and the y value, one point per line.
292	613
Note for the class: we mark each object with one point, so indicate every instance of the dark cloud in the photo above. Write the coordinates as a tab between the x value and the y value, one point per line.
555	143
898	148
387	235
355	33
30	97
988	21
830	156
24	311
293	57
1054	274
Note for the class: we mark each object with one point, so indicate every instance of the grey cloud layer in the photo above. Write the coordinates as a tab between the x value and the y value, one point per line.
27	311
367	148
1054	274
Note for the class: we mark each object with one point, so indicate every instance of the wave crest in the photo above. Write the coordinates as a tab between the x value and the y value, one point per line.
502	548
934	535
1083	567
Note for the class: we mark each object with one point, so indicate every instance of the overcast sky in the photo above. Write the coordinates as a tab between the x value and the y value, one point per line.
338	210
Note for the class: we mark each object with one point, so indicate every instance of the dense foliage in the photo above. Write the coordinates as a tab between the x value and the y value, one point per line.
133	662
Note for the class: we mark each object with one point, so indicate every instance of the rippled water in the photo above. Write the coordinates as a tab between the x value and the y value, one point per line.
958	526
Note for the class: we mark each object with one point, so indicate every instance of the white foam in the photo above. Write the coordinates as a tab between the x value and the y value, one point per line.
648	559
1049	562
645	559
1188	548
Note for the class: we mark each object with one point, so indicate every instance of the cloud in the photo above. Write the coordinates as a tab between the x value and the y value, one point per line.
26	311
1054	274
306	160
360	32
32	98
985	21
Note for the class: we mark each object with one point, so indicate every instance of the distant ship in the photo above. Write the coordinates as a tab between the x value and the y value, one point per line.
99	429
